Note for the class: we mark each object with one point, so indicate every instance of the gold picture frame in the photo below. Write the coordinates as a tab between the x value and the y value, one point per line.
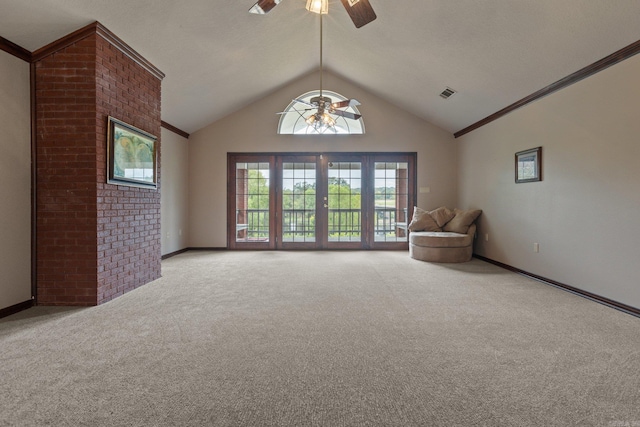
131	155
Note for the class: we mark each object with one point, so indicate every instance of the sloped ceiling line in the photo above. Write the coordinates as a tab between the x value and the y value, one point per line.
596	67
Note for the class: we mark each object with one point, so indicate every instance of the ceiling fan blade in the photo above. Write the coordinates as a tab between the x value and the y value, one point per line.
347	103
296	111
305	103
346	114
263	6
360	11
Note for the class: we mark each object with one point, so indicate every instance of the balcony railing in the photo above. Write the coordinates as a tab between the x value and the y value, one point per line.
252	225
300	224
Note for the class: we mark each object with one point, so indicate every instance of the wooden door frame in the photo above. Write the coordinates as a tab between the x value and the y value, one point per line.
306	158
232	160
411	159
275	160
345	157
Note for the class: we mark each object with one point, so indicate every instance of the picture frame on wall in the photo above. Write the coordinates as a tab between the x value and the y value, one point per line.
131	155
529	165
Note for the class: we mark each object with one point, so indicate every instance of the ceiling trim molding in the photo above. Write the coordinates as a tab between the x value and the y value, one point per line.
587	71
127	50
102	31
174	129
14	49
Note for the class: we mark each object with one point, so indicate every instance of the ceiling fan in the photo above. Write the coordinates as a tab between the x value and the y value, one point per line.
322	119
360	11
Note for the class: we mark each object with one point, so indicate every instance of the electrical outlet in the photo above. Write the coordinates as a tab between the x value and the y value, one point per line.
536	247
486	237
425	190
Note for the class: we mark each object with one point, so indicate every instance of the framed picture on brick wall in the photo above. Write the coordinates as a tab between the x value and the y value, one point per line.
131	155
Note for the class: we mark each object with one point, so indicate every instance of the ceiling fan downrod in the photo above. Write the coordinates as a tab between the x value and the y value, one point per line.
320	54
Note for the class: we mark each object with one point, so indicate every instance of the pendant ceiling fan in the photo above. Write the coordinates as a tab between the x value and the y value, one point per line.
360	11
322	119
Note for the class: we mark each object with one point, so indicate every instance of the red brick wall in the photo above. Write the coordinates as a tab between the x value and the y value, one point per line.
95	241
129	237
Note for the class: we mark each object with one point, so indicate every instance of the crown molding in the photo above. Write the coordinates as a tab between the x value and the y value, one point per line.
102	31
174	129
587	71
14	49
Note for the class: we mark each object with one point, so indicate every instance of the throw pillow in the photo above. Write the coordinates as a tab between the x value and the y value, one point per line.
422	221
462	220
442	216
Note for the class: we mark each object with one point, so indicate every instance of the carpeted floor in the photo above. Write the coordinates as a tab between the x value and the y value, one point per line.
324	339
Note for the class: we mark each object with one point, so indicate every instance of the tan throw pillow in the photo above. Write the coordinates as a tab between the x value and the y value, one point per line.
462	221
422	221
442	216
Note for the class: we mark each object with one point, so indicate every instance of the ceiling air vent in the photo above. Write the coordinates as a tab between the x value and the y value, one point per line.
447	93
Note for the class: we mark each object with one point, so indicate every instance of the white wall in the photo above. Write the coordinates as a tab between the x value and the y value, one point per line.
254	128
585	214
15	181
174	192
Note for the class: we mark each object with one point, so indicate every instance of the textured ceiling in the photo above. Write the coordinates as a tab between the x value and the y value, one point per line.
218	58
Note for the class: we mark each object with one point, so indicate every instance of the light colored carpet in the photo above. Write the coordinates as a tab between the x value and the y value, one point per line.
324	339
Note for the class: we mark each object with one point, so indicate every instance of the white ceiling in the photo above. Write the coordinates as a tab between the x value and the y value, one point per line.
218	58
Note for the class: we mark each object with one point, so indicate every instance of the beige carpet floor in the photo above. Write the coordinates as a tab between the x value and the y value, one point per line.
324	339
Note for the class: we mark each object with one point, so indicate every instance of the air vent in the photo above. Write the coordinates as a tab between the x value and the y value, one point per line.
447	93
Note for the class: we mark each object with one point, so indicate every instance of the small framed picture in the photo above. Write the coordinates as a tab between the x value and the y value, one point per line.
131	155
529	165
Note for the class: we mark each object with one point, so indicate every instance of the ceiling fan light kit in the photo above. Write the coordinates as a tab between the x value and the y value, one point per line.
361	14
318	6
360	11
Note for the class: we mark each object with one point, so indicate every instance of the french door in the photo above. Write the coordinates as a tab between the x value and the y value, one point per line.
320	201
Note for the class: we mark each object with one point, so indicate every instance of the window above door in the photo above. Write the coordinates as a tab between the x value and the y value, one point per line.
293	118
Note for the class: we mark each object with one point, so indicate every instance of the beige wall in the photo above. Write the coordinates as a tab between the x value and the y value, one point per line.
253	129
174	192
15	181
585	214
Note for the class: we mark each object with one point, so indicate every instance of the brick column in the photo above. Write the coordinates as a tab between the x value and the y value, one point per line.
95	241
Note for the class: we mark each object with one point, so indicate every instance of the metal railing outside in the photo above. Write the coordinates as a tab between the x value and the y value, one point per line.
300	224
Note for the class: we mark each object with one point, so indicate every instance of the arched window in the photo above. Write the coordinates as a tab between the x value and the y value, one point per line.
293	122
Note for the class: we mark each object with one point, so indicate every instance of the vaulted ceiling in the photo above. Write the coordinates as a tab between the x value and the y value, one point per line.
218	58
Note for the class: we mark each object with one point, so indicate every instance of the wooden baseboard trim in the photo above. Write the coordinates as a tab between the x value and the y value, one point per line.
8	311
169	255
181	251
207	249
585	294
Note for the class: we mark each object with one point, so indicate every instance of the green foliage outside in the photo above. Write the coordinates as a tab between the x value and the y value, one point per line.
299	206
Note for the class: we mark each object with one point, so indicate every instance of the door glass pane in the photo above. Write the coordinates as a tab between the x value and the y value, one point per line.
391	200
252	202
344	202
299	202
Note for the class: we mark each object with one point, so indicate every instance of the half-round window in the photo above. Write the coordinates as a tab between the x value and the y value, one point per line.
293	118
